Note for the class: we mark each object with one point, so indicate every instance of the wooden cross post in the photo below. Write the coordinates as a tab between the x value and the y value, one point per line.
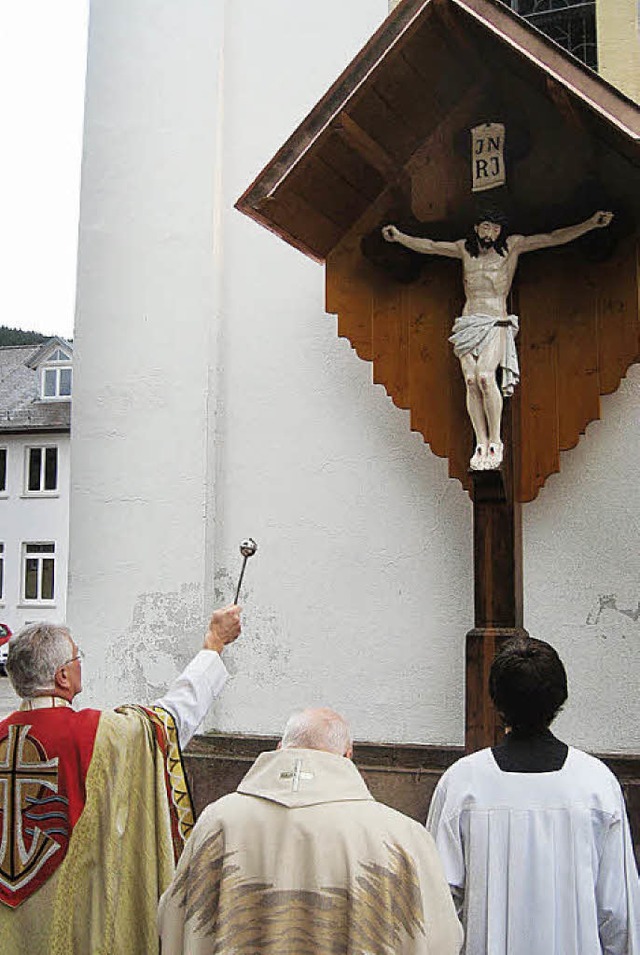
497	564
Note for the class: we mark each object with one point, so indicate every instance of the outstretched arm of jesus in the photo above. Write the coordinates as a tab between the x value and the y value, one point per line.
530	243
426	246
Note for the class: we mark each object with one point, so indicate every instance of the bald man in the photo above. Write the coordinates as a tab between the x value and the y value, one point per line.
302	859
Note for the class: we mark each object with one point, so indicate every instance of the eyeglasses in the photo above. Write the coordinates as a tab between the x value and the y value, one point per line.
79	656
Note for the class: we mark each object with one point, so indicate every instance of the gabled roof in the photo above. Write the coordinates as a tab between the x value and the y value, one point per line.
424	59
47	348
20	406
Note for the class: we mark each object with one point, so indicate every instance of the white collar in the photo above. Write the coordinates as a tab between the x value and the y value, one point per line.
43	702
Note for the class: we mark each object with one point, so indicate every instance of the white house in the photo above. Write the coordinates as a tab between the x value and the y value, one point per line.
214	400
35	420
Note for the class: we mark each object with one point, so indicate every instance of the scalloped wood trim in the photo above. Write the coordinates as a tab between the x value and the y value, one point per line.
580	332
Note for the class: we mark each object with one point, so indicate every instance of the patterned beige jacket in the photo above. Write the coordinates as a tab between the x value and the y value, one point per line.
301	860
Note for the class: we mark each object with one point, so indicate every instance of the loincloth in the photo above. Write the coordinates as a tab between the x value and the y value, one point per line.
471	334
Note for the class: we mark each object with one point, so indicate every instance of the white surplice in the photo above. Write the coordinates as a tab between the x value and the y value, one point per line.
542	862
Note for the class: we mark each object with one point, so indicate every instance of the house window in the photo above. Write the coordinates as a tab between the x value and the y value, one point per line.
42	470
1	571
3	470
56	379
571	23
56	383
39	571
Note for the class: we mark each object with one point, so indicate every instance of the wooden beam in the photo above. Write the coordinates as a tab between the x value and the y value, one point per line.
370	150
497	564
566	105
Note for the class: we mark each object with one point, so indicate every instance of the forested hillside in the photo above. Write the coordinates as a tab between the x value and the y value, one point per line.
15	336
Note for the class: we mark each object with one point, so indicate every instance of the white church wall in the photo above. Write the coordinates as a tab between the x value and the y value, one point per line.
582	575
213	400
145	324
357	597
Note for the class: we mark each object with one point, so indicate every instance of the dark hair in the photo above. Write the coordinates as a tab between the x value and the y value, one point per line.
528	684
497	217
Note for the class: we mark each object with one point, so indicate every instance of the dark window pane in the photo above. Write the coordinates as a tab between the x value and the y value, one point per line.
1	576
47	578
50	376
571	23
31	579
35	462
51	469
65	381
3	469
40	548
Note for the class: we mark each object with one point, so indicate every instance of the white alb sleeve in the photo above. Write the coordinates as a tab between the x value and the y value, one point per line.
443	824
192	693
618	889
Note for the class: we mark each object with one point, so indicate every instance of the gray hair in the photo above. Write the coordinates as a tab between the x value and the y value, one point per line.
318	729
35	653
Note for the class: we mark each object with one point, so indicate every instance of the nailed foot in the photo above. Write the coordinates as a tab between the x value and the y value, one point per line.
494	456
478	461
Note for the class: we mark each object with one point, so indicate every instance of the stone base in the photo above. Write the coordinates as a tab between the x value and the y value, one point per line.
399	775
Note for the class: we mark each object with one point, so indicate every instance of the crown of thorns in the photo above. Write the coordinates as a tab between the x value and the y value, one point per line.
492	214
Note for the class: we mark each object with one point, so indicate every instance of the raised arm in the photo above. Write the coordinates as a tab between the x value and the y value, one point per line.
452	250
530	243
190	696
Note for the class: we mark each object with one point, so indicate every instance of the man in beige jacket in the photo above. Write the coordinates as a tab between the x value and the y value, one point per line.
302	859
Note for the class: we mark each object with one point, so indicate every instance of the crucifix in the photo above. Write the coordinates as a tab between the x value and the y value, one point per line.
483	339
483	336
450	98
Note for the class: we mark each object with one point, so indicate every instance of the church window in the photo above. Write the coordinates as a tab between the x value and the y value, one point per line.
42	470
571	23
39	571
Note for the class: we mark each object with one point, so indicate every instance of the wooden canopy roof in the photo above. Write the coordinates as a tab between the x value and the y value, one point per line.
426	56
389	143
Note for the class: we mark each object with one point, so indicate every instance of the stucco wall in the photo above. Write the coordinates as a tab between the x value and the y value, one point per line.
582	574
146	342
618	26
213	400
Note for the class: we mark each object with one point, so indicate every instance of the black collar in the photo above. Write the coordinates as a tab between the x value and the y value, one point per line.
533	753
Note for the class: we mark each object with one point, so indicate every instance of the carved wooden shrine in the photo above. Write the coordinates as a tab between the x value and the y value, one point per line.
390	143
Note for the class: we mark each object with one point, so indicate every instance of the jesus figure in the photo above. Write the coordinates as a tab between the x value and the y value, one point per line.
483	336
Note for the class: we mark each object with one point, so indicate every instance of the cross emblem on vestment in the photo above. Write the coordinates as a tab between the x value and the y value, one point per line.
24	772
296	776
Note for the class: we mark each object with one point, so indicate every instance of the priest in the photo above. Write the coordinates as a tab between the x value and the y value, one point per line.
302	859
94	805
